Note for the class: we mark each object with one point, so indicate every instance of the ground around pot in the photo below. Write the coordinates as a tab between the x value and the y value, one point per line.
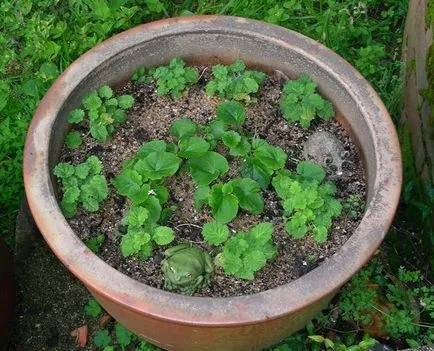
150	118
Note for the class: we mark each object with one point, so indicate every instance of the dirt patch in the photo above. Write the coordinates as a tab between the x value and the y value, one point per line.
150	118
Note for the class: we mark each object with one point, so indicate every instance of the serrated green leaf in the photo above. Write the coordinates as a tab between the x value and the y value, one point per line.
105	92
154	207
252	168
296	226
101	338
274	158
125	101
123	336
76	116
64	170
261	233
231	138
320	234
73	140
254	260
215	233
94	244
92	308
95	165
183	128
217	128
99	132
82	170
136	216
71	194
242	149
133	241
163	235
193	147
92	101
231	112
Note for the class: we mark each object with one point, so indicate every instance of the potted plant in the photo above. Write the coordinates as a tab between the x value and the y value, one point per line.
174	321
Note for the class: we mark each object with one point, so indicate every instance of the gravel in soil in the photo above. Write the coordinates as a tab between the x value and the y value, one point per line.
150	118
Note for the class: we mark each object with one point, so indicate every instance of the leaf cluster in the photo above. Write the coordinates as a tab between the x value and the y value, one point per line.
226	198
82	184
307	200
205	166
246	253
104	113
300	103
172	79
234	82
263	161
141	181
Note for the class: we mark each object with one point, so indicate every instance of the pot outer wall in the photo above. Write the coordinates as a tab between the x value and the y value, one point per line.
177	322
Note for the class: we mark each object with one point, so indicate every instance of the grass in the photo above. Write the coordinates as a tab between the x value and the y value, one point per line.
39	39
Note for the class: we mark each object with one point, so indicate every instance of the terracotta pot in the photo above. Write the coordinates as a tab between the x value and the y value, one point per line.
177	322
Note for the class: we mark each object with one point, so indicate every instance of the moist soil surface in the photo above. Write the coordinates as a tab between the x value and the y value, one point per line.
150	118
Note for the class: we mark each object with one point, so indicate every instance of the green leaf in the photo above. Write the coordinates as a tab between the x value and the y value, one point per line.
101	338
71	194
48	71
153	206
311	171
161	193
320	234
248	193
254	261
125	101
242	149
296	226
208	167
152	146
160	165
92	101
76	116
256	170
95	165
73	140
136	216
215	233
163	235
94	244
231	112
123	336
92	308
183	128
192	147
99	132
261	233
64	170
231	138
274	158
217	128
224	206
82	170
128	182
200	197
105	92
317	338
133	241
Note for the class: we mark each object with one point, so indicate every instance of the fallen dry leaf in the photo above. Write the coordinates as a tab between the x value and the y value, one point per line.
80	335
104	320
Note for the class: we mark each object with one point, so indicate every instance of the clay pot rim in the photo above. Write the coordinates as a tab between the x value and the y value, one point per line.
98	276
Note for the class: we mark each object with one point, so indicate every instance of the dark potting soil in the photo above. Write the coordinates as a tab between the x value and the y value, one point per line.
150	118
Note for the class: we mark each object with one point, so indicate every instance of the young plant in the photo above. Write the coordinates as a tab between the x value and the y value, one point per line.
300	103
246	253
82	184
104	111
308	202
263	160
172	79
225	199
353	205
94	244
234	82
143	232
